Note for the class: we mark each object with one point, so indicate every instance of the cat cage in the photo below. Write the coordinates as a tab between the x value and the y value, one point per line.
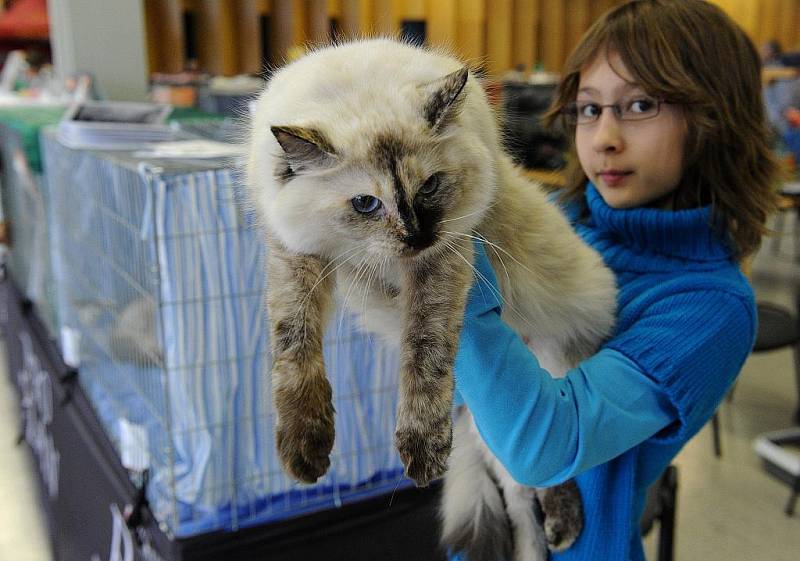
160	291
25	207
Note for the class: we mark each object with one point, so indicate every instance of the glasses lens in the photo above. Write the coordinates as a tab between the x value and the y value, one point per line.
582	112
640	108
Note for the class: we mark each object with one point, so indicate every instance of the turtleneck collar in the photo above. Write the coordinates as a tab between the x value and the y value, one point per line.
678	236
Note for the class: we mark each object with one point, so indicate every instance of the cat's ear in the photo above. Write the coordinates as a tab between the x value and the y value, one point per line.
305	148
445	98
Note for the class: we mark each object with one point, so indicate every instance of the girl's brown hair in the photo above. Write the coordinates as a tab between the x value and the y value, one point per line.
690	53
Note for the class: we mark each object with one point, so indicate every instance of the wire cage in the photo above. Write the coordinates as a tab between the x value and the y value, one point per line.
160	291
25	209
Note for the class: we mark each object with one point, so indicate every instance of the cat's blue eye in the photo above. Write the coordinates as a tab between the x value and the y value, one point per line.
430	185
366	204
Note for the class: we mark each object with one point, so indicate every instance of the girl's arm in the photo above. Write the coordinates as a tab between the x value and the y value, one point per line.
546	430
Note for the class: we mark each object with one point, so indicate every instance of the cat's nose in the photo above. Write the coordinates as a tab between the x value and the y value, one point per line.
419	240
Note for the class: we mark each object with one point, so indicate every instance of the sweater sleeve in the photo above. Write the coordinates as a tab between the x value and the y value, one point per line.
692	344
546	430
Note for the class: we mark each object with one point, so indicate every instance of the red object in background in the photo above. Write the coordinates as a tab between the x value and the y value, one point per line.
792	115
25	20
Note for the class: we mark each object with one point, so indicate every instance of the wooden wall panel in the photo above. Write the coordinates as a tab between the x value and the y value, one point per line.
281	30
319	24
216	51
386	17
442	28
247	39
579	19
367	14
165	35
300	25
471	31
350	21
553	37
786	23
767	21
525	33
495	33
764	20
499	31
412	9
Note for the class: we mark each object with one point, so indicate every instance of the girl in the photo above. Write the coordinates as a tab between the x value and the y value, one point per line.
672	184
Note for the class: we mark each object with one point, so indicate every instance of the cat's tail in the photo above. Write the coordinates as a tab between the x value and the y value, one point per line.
473	509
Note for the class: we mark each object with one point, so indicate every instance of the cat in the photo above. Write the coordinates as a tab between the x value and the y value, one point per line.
372	168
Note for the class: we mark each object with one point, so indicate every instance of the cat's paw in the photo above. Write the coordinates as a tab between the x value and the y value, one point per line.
424	449
304	448
563	515
304	435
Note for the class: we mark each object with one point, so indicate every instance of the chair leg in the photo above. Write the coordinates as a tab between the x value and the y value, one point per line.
797	234
669	499
797	376
789	510
776	239
715	431
729	397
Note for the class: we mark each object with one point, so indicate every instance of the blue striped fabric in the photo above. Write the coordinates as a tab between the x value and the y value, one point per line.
178	241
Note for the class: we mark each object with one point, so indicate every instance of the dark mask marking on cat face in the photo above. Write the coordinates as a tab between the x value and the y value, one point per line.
418	217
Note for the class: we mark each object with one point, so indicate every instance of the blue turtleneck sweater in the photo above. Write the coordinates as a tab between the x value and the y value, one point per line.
686	322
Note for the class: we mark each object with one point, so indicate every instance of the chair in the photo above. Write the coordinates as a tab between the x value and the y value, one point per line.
780	463
789	202
661	506
777	328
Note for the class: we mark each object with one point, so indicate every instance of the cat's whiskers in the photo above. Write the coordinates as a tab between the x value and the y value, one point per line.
499	257
454	249
498	249
503	300
373	270
330	263
360	270
301	309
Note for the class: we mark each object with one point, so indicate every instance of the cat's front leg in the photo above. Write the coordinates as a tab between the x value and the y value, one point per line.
299	300
434	297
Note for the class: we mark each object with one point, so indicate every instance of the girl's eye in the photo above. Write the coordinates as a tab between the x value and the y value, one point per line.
588	110
642	106
366	204
430	185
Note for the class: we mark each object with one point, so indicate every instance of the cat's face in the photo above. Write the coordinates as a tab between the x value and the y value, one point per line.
402	184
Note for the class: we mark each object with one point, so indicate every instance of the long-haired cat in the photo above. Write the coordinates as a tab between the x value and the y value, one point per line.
373	166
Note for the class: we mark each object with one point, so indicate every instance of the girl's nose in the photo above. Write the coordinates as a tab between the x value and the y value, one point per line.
607	133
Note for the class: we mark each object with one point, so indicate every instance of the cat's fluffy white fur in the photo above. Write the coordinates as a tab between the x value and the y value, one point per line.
558	295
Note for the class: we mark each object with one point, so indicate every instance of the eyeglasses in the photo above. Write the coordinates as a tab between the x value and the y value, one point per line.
639	108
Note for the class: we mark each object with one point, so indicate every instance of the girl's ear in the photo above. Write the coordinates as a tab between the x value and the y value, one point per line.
305	148
444	98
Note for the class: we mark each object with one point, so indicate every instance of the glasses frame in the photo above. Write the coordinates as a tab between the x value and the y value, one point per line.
570	111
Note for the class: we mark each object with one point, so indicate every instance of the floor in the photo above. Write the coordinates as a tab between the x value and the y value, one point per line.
728	508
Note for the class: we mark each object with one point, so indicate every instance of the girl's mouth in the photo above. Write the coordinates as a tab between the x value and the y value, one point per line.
613	177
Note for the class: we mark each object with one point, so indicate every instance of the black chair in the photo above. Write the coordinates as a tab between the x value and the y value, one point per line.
661	507
777	328
528	142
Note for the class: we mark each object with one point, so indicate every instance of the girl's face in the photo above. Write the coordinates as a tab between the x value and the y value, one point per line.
632	163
